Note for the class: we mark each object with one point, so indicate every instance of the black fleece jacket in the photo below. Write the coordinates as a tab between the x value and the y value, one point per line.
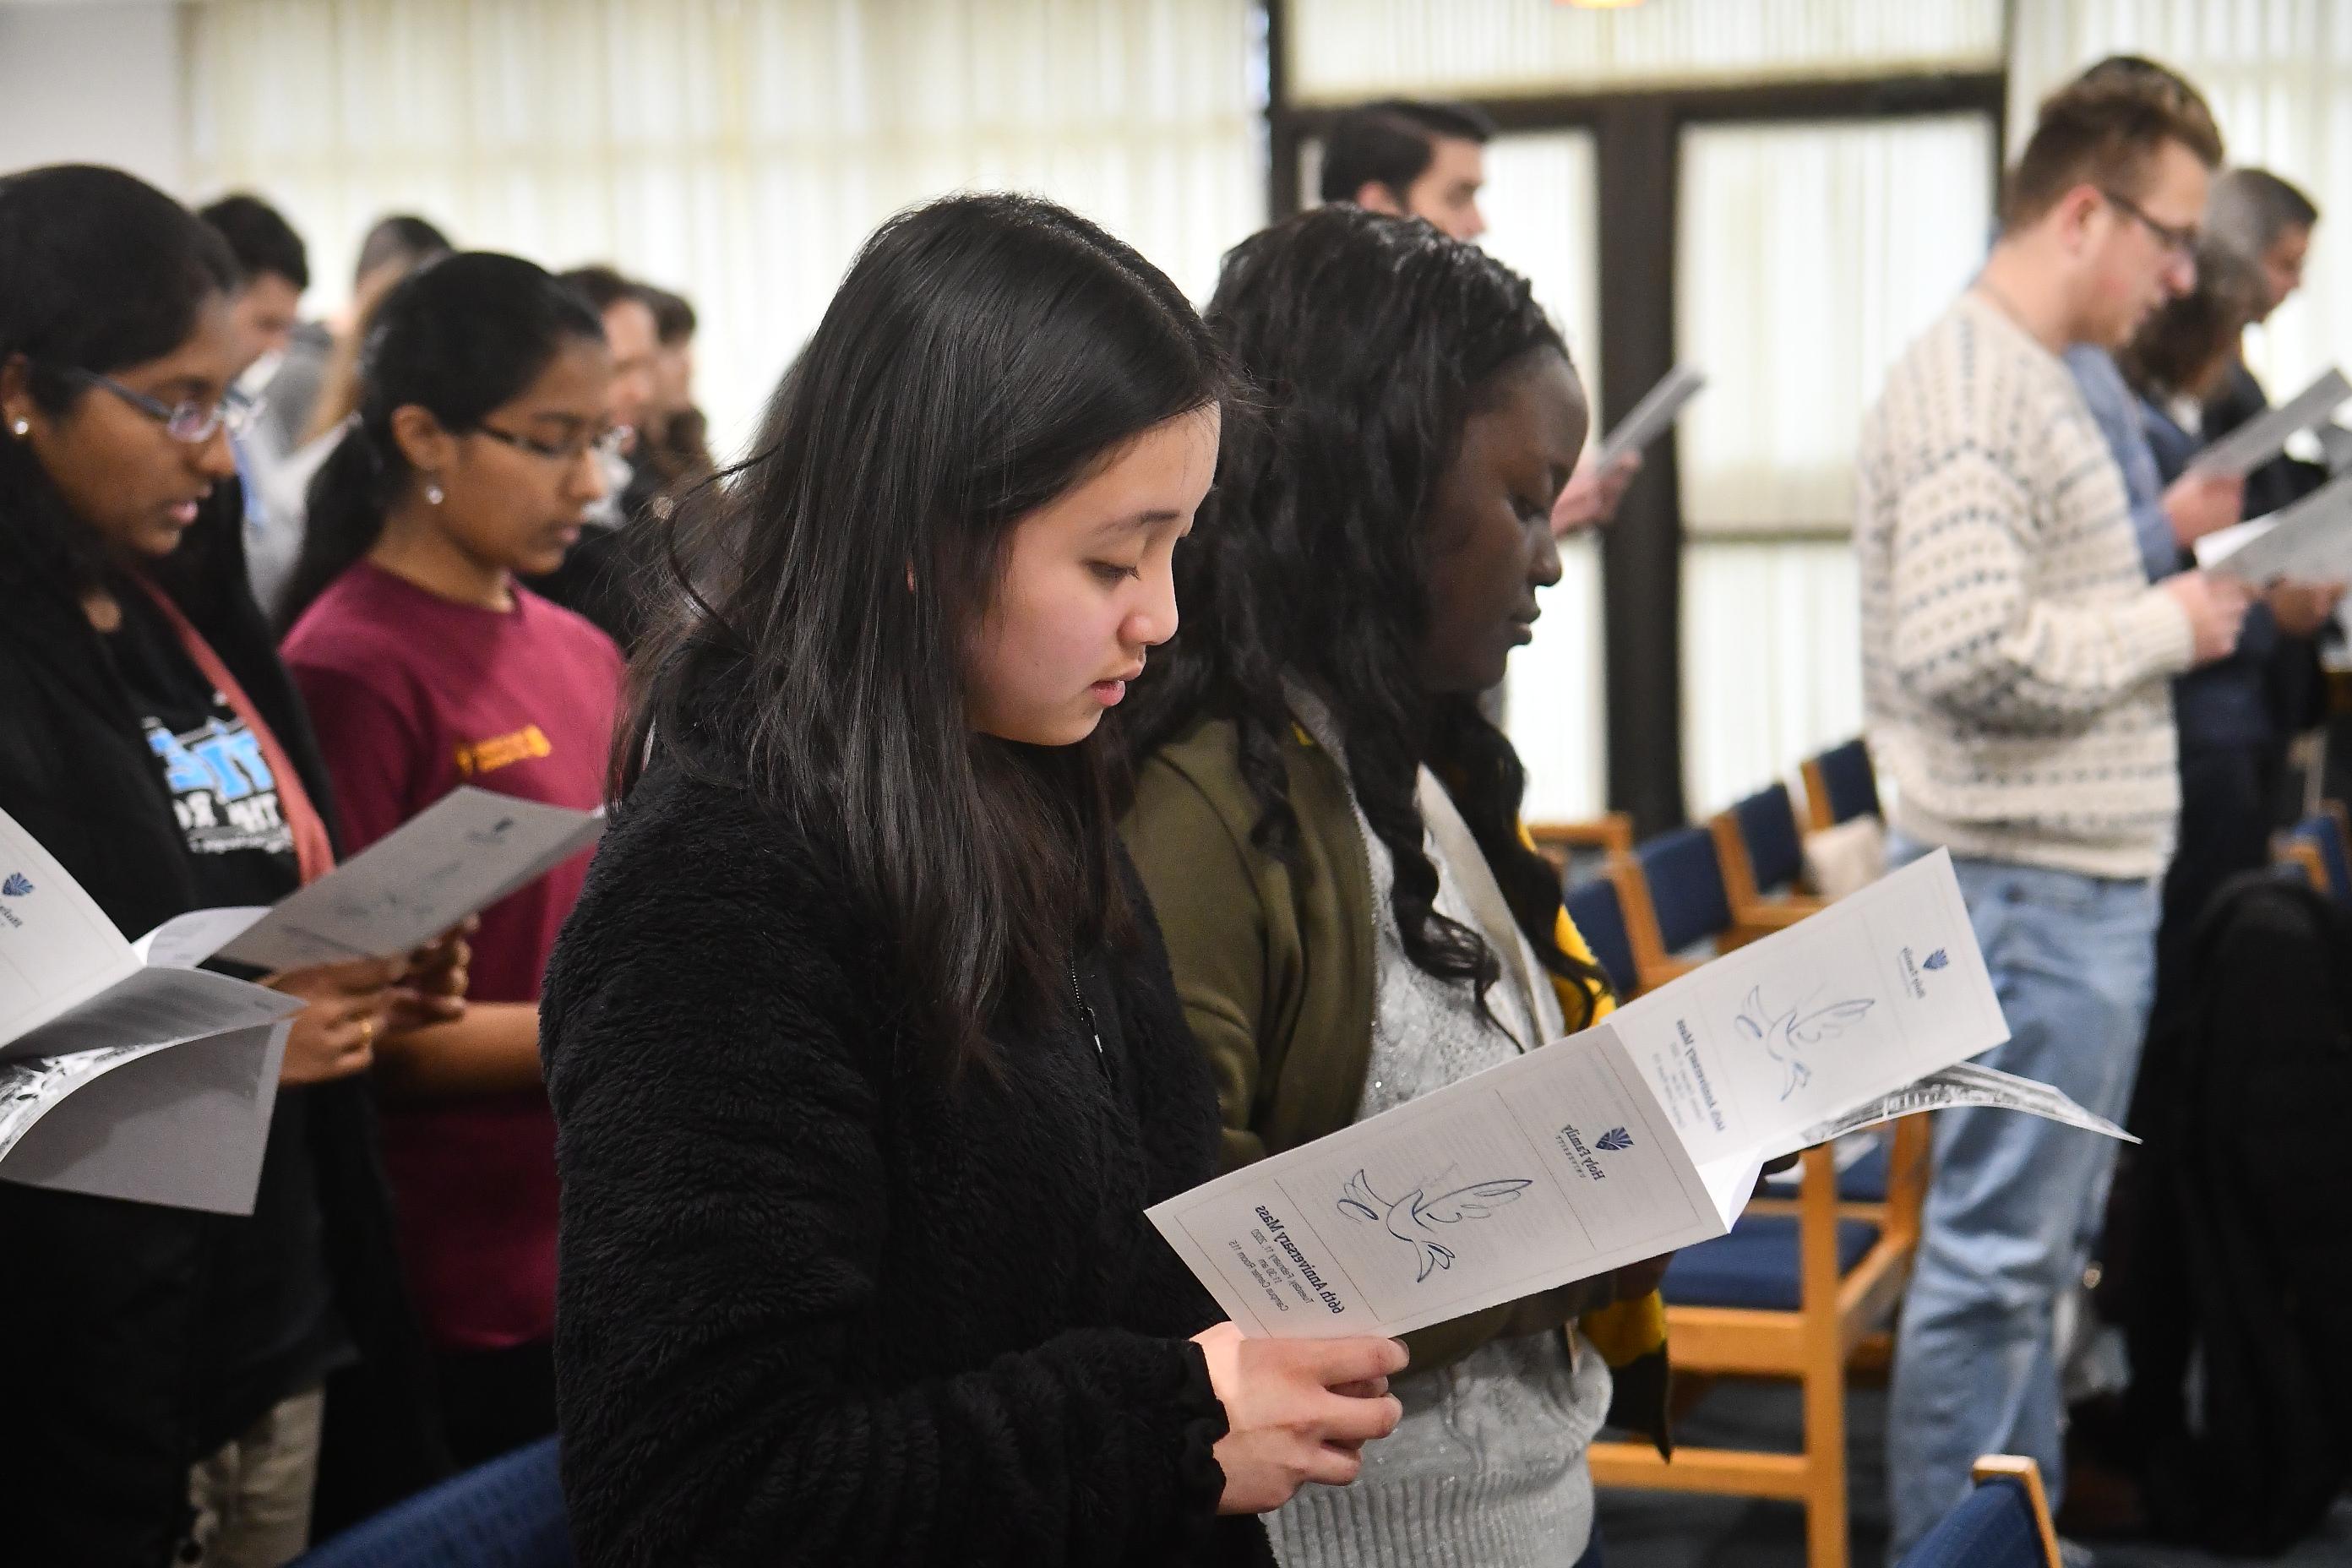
817	1306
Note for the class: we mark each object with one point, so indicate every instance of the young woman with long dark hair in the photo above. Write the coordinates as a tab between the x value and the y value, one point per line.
861	1040
471	461
181	1386
1329	825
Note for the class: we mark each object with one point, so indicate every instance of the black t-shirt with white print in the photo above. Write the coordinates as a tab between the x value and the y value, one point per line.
268	1327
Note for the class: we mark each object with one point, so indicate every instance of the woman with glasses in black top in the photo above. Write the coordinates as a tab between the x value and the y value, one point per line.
175	1367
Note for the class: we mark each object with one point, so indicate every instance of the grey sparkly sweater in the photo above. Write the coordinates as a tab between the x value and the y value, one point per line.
1487	1469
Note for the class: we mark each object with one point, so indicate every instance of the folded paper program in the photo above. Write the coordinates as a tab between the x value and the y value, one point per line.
1639	1136
125	1071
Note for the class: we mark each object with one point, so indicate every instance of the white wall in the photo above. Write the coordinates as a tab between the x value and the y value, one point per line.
93	81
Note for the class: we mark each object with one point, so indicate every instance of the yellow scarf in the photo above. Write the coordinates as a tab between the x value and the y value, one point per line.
1630	1335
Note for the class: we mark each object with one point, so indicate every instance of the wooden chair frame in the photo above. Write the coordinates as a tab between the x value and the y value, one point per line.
1610	832
2305	856
1814	1345
2023	1470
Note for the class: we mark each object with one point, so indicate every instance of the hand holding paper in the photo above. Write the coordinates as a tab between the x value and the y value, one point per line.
464	853
1290	1414
115	1077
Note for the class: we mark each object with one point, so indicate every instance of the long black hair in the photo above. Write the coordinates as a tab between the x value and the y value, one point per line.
459	337
1371	341
984	353
99	271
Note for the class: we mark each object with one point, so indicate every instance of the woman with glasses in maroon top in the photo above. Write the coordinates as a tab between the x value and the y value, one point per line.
471	461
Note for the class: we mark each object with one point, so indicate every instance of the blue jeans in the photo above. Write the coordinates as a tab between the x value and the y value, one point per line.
2013	1202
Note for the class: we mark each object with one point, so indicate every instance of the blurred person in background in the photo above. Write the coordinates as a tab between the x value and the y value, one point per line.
600	577
2017	680
269	312
2233	738
393	246
678	436
2268	222
1414	158
2232	760
313	394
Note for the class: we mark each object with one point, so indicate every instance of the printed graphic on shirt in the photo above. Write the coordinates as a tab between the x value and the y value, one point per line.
478	757
222	788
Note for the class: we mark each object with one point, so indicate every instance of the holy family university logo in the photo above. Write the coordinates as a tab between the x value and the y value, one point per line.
15	886
1917	970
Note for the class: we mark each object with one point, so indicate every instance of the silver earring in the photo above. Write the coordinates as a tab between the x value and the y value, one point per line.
433	494
22	427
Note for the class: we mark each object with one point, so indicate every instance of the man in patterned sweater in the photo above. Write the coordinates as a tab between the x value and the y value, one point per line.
2017	680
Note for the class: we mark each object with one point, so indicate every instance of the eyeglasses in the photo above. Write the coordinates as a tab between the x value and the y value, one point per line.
188	420
2177	242
612	443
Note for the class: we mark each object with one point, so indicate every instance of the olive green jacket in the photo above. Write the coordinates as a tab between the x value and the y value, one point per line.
1274	962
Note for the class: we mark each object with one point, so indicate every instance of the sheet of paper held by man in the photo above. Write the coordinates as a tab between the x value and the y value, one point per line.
1639	1136
1651	417
2260	439
462	854
116	1078
2309	541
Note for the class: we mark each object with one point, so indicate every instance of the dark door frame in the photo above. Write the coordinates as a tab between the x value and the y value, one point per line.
1637	139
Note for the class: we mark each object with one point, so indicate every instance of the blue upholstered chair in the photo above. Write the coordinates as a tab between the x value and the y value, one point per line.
2318	843
1840	786
1793	1292
1598	910
2003	1523
1762	853
507	1514
1679	908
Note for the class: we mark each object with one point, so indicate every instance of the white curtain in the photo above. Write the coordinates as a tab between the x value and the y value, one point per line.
1771	662
1808	255
1341	50
1540	202
2278	74
1807	258
737	150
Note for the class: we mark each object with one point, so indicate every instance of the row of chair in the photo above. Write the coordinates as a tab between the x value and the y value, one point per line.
1653	911
1802	1288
